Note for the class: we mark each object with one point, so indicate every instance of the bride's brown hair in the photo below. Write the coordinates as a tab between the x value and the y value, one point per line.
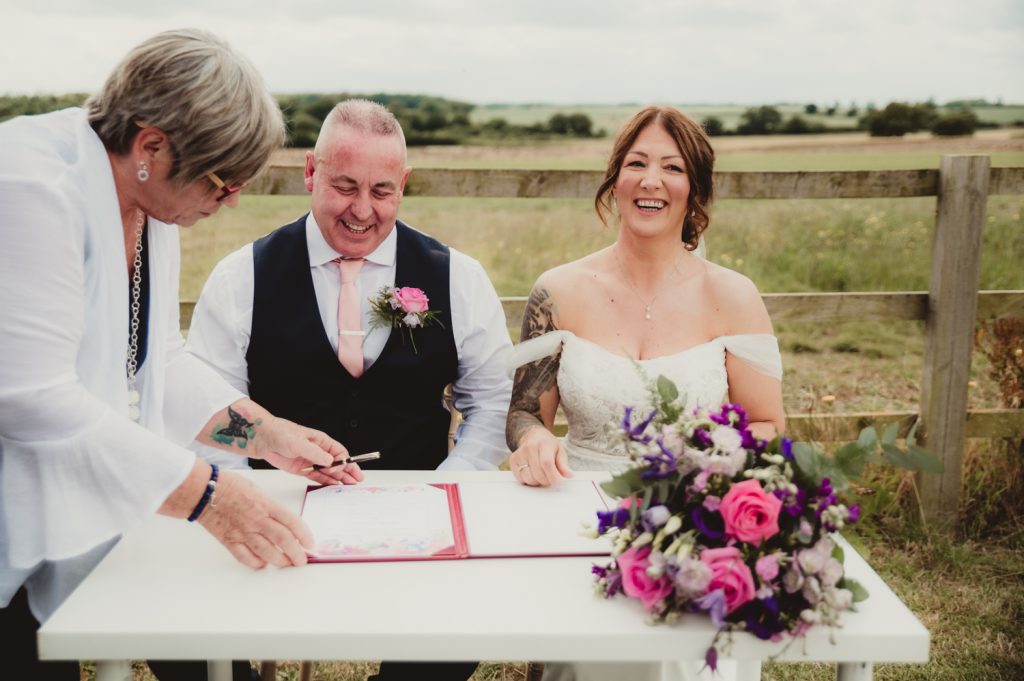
698	156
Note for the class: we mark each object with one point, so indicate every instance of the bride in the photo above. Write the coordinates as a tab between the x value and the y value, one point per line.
596	330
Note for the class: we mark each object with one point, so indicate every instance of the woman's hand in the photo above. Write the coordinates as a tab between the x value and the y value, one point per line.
540	460
257	530
290	447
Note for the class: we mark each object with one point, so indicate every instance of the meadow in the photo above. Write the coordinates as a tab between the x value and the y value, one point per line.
968	589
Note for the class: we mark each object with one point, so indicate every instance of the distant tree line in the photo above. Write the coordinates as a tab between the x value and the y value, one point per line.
424	119
896	119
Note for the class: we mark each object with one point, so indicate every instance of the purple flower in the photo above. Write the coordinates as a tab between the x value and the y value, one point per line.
854	514
662	463
787	448
731	414
711	659
701	438
708	523
609	519
614	583
714	604
636	432
763	618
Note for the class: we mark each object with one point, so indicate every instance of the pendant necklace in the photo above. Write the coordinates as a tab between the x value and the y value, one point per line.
646	303
131	365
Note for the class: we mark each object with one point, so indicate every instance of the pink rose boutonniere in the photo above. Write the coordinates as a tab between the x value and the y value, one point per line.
405	308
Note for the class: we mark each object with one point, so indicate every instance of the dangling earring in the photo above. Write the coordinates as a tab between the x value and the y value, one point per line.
143	173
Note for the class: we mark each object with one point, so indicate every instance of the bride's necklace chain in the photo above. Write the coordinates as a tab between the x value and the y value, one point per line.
131	364
657	292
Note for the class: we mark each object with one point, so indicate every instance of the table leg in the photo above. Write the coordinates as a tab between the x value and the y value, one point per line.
854	671
113	670
218	670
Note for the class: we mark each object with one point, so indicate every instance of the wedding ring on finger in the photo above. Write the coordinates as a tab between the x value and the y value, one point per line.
521	466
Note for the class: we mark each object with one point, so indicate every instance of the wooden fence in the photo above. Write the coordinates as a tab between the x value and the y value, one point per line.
950	308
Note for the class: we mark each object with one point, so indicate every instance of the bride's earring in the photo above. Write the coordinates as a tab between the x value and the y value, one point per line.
143	173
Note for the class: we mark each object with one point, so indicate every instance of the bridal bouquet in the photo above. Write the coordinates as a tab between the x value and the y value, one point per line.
713	520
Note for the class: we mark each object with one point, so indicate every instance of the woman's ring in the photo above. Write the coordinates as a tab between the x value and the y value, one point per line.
522	466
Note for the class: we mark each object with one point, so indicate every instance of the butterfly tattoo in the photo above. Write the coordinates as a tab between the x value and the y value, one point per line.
238	432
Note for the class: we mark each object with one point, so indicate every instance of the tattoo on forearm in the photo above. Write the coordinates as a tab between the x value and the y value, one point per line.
534	379
238	432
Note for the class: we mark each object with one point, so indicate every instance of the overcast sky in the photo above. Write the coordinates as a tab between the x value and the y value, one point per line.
553	51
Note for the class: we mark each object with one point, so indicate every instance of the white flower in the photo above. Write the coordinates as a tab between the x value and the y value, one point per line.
727	440
411	320
812	590
832	572
810	561
693	577
839	599
792	581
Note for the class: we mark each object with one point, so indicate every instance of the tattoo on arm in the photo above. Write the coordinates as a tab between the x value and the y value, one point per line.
238	432
534	379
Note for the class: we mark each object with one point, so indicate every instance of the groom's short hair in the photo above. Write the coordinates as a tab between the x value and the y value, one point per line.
362	115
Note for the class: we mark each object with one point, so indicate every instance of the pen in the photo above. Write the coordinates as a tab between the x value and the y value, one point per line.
369	456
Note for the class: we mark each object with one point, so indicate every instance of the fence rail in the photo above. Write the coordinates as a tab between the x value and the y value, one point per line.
950	308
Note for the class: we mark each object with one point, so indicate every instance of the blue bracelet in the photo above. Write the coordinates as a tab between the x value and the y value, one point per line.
211	487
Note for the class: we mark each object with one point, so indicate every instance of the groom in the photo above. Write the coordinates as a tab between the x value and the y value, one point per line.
288	320
268	317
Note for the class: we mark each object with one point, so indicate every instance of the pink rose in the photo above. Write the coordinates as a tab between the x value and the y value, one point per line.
730	574
750	514
412	299
637	583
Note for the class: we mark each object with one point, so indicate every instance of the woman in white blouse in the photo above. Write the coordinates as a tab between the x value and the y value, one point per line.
97	396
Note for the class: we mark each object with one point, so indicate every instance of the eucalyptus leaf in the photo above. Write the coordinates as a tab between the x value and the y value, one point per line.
912	434
851	458
868	438
667	390
807	460
838	553
924	459
890	433
897	457
858	591
624	484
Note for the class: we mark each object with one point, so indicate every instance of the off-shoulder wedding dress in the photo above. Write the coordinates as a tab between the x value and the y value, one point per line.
595	386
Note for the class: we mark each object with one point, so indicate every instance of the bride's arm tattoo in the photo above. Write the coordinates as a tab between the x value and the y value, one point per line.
534	379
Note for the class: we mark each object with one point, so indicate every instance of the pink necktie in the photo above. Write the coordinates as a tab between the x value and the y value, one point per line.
350	334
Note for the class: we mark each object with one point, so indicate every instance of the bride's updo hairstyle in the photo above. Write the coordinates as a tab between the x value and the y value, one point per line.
698	156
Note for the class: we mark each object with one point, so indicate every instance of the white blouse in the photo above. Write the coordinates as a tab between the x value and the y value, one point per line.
75	471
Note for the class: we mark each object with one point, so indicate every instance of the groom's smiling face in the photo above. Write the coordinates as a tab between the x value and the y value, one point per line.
356	179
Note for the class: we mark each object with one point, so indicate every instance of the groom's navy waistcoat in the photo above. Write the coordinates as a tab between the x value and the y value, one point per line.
395	407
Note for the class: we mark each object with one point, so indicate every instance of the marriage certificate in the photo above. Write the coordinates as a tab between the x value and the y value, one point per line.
443	521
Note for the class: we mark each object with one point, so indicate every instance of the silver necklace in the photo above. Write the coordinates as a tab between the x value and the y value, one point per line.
131	365
646	303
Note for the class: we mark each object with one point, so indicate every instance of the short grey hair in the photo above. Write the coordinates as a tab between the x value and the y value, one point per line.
362	115
209	100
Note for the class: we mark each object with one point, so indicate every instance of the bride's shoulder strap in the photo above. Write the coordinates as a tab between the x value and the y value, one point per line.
536	348
759	350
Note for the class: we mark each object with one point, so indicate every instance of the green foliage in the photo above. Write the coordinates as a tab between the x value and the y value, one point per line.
713	126
963	122
762	120
899	118
27	105
811	109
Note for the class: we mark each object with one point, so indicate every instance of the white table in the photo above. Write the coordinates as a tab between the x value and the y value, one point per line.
168	590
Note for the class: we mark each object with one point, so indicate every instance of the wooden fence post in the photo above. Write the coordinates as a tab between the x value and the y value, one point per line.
949	327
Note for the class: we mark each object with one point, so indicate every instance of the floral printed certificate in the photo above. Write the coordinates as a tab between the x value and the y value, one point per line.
384	522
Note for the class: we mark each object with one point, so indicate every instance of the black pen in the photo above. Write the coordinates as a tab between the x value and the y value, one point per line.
369	456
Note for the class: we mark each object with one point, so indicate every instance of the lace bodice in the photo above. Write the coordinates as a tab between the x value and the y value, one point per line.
596	385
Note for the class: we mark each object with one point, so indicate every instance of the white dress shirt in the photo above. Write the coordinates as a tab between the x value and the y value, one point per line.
75	471
222	323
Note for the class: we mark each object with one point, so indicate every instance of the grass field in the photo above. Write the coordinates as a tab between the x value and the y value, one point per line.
968	590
